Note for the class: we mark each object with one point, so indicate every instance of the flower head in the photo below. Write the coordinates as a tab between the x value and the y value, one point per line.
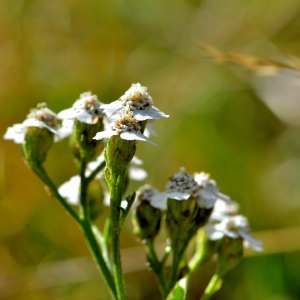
154	197
136	101
147	217
181	186
126	127
235	226
87	109
39	117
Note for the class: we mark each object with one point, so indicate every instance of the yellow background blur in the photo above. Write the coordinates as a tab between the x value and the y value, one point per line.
224	120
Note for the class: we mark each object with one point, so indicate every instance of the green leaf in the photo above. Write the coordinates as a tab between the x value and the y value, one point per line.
179	291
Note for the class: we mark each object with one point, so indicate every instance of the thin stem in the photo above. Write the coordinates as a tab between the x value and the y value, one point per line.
82	221
157	267
116	197
42	174
213	286
89	233
97	255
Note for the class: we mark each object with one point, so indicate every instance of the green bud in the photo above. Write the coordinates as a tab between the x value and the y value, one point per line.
184	218
84	147
146	220
37	144
118	154
230	253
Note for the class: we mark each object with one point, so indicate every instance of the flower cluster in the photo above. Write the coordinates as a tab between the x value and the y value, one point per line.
103	140
226	222
39	117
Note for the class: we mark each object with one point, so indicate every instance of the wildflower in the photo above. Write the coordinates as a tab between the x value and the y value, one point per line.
126	127
183	186
87	117
136	101
236	226
37	134
87	109
40	117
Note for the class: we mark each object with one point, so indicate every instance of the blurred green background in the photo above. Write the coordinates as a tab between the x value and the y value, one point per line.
241	127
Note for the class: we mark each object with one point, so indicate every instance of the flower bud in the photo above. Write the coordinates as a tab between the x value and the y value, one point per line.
84	147
118	154
146	219
37	143
184	218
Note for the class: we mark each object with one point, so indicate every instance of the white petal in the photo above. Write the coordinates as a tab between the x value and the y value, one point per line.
152	113
104	134
112	109
158	114
65	130
251	242
31	122
85	117
201	178
137	174
133	136
178	195
15	133
71	190
212	233
68	113
159	200
207	202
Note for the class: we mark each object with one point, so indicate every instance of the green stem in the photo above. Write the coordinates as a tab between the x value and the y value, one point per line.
157	267
116	198
42	174
89	233
213	286
97	255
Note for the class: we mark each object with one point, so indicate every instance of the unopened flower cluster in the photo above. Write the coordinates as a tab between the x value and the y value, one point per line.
223	218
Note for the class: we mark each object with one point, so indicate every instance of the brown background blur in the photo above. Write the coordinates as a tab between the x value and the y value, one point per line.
234	123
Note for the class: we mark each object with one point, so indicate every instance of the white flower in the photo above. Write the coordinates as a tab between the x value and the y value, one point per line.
136	101
126	127
41	117
71	190
181	186
154	197
236	226
208	193
87	109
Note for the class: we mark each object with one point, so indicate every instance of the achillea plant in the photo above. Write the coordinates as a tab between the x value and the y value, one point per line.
103	141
